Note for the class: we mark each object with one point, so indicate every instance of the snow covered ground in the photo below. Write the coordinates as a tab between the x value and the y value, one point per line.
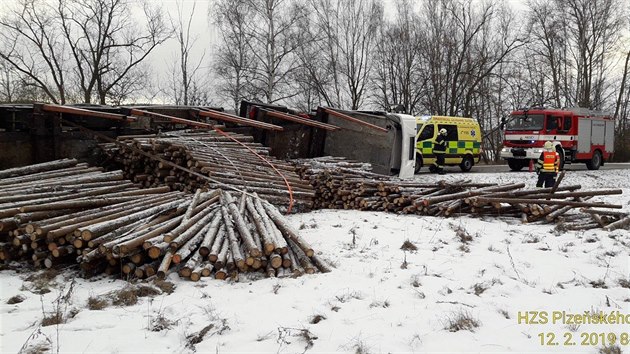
449	295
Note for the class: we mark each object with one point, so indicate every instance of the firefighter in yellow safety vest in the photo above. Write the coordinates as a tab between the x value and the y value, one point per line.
547	166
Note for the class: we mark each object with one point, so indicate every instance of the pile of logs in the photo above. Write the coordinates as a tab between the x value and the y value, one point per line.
211	160
341	184
64	212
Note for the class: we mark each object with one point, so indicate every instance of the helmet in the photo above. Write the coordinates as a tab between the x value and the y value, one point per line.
443	131
548	146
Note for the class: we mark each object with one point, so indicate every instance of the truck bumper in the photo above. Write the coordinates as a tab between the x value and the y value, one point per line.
520	153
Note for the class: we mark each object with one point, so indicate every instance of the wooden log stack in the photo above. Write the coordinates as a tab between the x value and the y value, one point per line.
234	161
64	212
342	184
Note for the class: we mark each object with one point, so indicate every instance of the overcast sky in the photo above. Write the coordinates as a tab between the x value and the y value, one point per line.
164	56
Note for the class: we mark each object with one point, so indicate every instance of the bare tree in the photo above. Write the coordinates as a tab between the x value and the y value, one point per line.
594	27
360	20
547	55
89	44
339	51
9	83
186	69
397	78
623	88
136	84
622	115
106	42
234	63
33	45
274	37
465	43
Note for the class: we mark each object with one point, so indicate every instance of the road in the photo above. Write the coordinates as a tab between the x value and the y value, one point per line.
482	168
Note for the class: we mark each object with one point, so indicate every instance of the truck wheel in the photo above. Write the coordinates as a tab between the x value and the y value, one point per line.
516	165
560	152
416	169
467	163
595	162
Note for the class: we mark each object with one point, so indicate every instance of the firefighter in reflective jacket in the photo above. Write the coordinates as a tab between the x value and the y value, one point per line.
439	149
547	166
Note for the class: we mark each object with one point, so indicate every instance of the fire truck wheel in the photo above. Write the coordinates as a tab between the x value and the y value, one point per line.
516	165
467	163
416	169
595	162
560	152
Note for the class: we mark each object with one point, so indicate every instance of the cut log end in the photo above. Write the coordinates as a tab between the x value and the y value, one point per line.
86	235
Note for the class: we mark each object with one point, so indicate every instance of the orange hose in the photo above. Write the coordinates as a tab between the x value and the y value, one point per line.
268	162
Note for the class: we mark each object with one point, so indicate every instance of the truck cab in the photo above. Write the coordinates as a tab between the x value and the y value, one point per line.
578	135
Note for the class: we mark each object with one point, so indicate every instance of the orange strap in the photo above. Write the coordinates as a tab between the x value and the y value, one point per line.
268	162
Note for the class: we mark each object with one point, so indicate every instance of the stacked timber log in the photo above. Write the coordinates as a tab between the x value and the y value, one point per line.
342	184
188	160
64	212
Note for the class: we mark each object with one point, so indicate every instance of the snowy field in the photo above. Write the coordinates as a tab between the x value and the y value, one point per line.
459	291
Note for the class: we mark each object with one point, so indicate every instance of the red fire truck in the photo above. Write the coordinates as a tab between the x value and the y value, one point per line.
579	135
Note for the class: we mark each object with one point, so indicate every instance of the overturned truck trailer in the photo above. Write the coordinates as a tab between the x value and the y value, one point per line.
385	140
390	150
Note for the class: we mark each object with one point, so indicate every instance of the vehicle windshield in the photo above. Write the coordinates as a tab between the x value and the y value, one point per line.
526	122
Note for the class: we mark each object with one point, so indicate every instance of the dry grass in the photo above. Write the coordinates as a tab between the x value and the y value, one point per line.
479	288
37	348
286	333
611	349
166	286
125	297
41	282
600	283
129	295
415	281
36	343
161	323
384	304
462	234
197	338
461	321
408	246
357	346
97	303
59	314
505	314
349	295
46	274
146	290
16	299
52	319
317	319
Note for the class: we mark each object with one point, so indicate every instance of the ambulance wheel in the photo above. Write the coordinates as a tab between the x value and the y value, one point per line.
467	163
516	165
595	162
416	170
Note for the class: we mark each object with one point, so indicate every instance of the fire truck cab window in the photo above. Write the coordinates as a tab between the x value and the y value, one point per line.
427	133
567	124
553	122
526	122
